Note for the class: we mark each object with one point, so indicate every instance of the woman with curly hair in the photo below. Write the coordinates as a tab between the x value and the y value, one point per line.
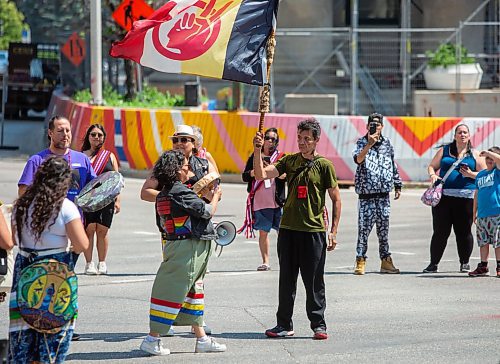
184	139
43	221
177	296
98	222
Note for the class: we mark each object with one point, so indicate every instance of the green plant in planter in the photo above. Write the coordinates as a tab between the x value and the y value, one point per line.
446	55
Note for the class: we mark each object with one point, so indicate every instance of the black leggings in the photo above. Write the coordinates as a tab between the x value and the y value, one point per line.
456	212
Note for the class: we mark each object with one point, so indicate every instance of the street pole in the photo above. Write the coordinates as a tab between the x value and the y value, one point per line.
405	52
354	56
138	69
96	51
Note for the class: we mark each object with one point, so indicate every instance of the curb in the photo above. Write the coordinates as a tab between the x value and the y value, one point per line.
236	178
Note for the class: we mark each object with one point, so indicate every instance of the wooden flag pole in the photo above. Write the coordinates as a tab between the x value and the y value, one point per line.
265	95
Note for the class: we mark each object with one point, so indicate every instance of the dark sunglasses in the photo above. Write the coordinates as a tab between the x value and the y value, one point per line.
273	139
182	140
97	135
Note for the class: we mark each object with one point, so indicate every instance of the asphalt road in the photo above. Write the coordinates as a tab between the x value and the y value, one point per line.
407	318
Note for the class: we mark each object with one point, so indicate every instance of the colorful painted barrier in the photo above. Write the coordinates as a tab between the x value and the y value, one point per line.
138	136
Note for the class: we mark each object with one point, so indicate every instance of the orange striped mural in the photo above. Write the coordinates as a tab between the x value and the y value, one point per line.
138	136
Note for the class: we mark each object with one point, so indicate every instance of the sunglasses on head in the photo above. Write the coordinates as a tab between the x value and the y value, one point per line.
273	139
181	140
96	135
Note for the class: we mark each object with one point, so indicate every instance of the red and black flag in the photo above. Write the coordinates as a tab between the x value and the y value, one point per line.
223	39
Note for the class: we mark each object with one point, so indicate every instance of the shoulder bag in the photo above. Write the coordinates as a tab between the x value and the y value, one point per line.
433	194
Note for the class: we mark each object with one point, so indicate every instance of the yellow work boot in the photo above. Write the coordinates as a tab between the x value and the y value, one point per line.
360	266
388	267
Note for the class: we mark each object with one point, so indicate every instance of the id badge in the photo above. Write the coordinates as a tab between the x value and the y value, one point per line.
301	192
267	183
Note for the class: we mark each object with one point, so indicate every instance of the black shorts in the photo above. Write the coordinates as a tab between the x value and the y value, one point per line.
103	216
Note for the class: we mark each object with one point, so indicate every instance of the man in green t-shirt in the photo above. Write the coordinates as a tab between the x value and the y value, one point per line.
302	242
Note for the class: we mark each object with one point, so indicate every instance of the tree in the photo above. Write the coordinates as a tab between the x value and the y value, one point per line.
113	32
52	21
11	23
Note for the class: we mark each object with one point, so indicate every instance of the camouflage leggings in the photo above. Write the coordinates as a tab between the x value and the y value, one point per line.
373	211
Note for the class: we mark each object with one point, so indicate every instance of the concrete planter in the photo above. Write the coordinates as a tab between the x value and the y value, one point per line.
441	78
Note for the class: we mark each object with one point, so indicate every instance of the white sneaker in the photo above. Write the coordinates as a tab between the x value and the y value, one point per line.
208	330
90	269
154	347
102	268
209	346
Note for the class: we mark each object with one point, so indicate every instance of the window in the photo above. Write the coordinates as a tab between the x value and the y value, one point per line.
376	12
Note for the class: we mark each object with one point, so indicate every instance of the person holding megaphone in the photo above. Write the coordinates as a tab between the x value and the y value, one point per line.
177	296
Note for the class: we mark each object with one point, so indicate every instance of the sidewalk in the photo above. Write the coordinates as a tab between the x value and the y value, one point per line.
27	135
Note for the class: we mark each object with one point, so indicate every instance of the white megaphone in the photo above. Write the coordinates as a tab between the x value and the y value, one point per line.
226	233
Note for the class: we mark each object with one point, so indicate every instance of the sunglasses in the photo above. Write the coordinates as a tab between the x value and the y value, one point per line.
97	135
182	140
273	139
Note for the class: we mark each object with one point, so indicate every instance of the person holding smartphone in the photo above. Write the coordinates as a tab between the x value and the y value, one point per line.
265	198
455	209
376	174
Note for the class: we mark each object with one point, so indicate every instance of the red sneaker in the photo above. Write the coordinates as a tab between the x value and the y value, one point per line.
320	333
480	272
279	331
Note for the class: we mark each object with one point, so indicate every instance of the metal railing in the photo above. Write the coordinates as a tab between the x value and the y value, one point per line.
390	64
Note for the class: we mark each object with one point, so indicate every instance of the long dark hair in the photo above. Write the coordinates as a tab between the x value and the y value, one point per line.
166	167
86	140
453	144
43	199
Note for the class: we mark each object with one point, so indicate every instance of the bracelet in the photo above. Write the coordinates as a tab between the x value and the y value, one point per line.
432	174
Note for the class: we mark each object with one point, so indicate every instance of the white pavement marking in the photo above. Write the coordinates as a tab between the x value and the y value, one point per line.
132	280
145	233
403	253
239	273
479	258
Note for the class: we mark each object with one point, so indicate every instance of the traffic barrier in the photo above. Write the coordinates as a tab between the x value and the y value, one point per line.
138	136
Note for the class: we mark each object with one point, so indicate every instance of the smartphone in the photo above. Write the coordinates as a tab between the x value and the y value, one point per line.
373	128
464	165
267	159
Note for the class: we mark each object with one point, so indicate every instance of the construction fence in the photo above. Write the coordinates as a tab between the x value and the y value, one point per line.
390	65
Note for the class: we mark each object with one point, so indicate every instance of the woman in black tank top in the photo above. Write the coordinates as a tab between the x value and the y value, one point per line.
98	223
